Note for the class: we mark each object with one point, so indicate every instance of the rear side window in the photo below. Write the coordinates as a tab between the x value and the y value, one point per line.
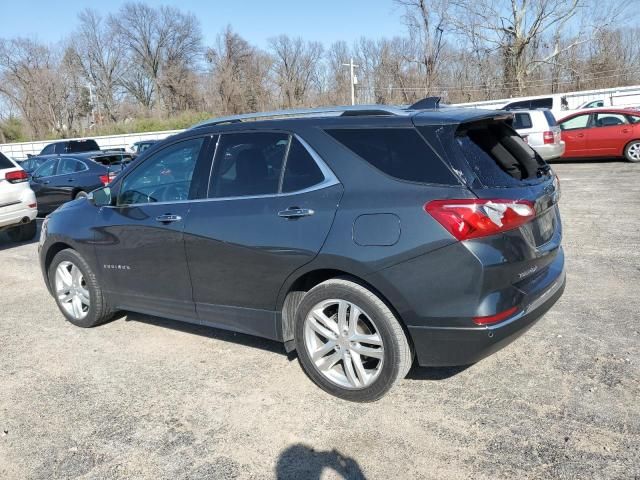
521	121
301	170
398	152
5	162
69	165
248	164
609	119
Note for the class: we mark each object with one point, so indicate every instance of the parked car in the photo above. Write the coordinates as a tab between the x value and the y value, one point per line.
32	163
141	146
18	207
362	237
70	146
67	177
539	129
602	133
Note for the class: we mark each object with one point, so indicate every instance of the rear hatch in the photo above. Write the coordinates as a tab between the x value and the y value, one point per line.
507	176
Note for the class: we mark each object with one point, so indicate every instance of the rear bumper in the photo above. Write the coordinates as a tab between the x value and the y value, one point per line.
15	216
448	346
550	151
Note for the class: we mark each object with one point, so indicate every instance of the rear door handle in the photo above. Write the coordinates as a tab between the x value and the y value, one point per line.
168	218
295	212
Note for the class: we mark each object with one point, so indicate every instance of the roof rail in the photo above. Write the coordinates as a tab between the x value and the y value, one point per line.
353	110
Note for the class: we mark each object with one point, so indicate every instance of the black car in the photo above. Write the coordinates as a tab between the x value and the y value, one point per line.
70	146
60	179
362	237
141	146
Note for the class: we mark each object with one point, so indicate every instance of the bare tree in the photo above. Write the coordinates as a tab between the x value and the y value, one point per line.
296	67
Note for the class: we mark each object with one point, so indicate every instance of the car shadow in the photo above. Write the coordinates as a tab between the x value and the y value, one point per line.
301	461
434	373
209	332
586	160
6	243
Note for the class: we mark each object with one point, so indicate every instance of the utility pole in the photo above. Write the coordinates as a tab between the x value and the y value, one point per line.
353	78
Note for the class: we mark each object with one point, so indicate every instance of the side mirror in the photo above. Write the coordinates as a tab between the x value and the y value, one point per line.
100	197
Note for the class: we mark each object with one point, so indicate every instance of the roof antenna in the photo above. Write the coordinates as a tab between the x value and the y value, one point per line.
426	103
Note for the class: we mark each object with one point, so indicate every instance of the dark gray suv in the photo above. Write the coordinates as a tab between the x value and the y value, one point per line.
361	237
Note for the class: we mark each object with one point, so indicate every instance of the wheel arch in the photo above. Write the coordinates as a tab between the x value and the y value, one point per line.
52	251
292	295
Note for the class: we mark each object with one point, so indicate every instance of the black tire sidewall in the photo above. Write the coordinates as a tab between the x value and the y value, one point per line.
95	297
391	366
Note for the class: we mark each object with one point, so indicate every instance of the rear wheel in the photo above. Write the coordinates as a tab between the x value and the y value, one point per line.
76	290
349	342
23	233
632	151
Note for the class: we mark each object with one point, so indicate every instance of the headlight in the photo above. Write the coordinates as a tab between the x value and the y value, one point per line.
43	230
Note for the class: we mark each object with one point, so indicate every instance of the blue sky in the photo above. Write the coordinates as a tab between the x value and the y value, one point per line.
50	21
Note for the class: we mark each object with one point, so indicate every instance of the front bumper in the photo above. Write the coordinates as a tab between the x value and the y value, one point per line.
449	346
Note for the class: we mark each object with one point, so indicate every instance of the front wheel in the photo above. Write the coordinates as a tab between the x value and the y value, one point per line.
76	290
632	151
349	342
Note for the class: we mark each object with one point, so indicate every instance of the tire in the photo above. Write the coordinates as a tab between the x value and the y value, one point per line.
91	313
24	232
80	194
351	374
632	151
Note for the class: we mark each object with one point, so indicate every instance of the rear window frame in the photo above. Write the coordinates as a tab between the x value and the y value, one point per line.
450	168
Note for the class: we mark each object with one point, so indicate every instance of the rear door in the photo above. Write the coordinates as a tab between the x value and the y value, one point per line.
271	202
609	134
574	134
139	241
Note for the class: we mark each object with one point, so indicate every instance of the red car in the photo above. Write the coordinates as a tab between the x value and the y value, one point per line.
609	132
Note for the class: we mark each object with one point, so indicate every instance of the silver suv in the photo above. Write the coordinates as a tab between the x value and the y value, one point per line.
539	129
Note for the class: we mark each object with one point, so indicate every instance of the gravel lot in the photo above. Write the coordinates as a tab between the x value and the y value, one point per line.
143	397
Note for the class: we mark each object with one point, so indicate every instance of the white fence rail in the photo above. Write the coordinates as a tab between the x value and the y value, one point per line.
19	151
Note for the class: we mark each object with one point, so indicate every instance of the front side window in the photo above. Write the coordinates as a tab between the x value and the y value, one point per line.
164	177
581	121
46	169
69	165
248	164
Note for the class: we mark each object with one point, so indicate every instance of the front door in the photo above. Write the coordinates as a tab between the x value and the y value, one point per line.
139	241
574	134
41	185
260	222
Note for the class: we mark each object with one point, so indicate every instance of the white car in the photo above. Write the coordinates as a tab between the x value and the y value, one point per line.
18	206
539	129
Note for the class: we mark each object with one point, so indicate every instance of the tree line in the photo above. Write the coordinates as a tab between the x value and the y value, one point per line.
152	62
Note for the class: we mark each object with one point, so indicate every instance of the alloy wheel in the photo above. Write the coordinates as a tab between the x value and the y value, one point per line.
634	151
71	290
344	343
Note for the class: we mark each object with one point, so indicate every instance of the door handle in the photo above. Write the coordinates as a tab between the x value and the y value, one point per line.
70	180
580	135
168	218
625	130
295	212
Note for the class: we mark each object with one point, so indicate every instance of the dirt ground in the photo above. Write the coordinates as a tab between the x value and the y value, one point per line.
143	397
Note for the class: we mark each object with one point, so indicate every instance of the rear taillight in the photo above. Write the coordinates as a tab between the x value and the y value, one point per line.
498	317
106	179
17	176
473	218
548	137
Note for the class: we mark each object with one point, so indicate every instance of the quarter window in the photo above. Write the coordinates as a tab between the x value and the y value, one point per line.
301	170
581	121
248	164
164	177
521	121
398	152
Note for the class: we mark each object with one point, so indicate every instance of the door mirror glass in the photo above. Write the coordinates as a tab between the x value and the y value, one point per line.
101	197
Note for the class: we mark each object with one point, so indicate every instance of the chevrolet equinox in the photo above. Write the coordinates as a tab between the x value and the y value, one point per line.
362	237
